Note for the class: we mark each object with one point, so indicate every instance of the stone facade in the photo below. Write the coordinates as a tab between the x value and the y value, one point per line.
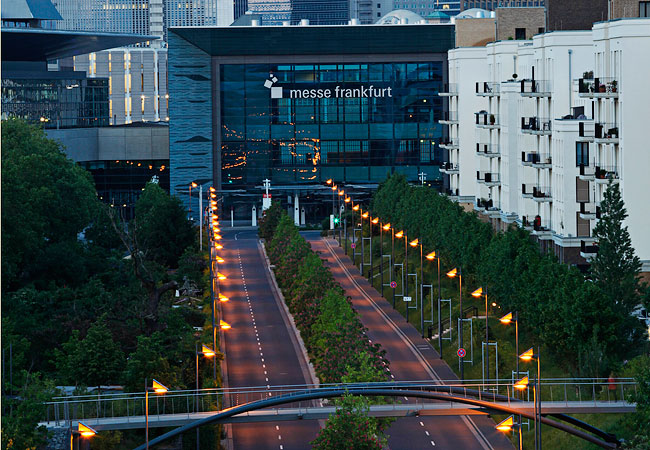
509	19
625	8
575	14
474	32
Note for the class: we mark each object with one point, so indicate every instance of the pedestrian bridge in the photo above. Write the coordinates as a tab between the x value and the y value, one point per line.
187	408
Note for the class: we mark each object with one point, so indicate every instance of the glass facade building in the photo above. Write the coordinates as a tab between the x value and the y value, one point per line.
308	140
299	105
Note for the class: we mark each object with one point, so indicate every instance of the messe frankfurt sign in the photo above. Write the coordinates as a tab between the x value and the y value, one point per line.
328	90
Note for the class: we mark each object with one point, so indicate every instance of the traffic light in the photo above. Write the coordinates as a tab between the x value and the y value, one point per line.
336	220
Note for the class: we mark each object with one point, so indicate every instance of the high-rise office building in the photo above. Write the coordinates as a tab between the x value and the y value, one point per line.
491	5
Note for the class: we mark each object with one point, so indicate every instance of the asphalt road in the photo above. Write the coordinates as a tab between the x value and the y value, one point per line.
411	358
260	349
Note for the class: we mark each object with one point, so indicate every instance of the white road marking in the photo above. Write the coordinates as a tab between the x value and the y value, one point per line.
434	444
421	424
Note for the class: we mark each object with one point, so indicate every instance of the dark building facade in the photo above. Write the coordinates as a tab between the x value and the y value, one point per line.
300	105
491	5
575	15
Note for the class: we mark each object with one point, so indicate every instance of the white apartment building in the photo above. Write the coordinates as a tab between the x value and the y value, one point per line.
137	80
536	130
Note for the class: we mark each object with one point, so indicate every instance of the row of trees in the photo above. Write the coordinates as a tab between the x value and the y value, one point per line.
86	295
562	309
331	330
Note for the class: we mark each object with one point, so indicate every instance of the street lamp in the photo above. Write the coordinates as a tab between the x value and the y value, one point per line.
340	193
221	276
477	294
159	389
224	325
345	222
507	320
527	356
415	243
507	425
373	221
192	185
451	274
223	298
431	256
382	228
83	431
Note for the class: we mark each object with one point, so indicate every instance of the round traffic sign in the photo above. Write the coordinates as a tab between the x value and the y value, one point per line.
393	284
353	245
461	352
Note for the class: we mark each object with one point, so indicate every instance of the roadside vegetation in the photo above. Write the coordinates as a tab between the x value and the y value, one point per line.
331	330
88	298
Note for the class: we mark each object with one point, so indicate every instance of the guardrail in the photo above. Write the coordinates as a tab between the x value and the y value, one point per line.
61	411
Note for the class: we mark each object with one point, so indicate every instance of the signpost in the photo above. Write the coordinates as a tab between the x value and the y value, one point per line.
353	245
461	352
393	284
407	299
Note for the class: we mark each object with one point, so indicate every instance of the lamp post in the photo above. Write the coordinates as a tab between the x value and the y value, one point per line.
431	256
354	236
364	215
507	425
192	185
506	320
392	259
382	228
334	215
373	221
451	274
477	294
83	431
159	389
416	243
400	235
340	194
345	222
537	398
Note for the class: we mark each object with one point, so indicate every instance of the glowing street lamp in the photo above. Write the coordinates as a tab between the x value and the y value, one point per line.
528	356
477	294
507	320
85	431
207	352
192	185
414	243
507	425
456	271
220	259
521	384
221	276
224	325
223	298
355	208
329	181
159	389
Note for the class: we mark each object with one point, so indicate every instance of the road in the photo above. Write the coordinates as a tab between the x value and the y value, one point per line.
260	348
411	358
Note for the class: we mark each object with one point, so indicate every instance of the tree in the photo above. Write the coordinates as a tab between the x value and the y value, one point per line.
46	200
615	268
270	220
149	361
350	428
94	361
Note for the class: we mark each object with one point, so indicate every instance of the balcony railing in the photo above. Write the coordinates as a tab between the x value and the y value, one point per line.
451	192
489	150
589	211
485	120
487	177
536	125
598	87
536	224
537	160
484	203
448	90
527	190
536	88
541	193
449	144
586	248
449	168
449	117
586	131
604	173
586	172
606	132
487	88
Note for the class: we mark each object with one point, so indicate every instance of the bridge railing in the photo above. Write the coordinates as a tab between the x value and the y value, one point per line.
61	411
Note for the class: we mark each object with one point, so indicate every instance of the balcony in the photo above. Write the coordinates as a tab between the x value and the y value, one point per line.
449	118
451	144
488	150
588	249
485	120
538	227
537	193
535	125
589	211
527	190
602	174
488	178
536	160
585	133
488	89
587	172
449	90
606	133
536	88
483	204
449	168
451	192
598	87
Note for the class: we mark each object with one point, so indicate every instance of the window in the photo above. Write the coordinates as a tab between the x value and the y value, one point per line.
644	9
520	33
540	30
378	5
582	154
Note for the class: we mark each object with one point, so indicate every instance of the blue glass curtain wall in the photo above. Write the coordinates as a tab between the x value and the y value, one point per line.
377	119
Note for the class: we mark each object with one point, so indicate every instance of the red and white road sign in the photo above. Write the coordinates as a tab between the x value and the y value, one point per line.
461	353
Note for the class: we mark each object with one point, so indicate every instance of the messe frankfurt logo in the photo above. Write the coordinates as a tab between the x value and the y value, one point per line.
276	91
328	90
